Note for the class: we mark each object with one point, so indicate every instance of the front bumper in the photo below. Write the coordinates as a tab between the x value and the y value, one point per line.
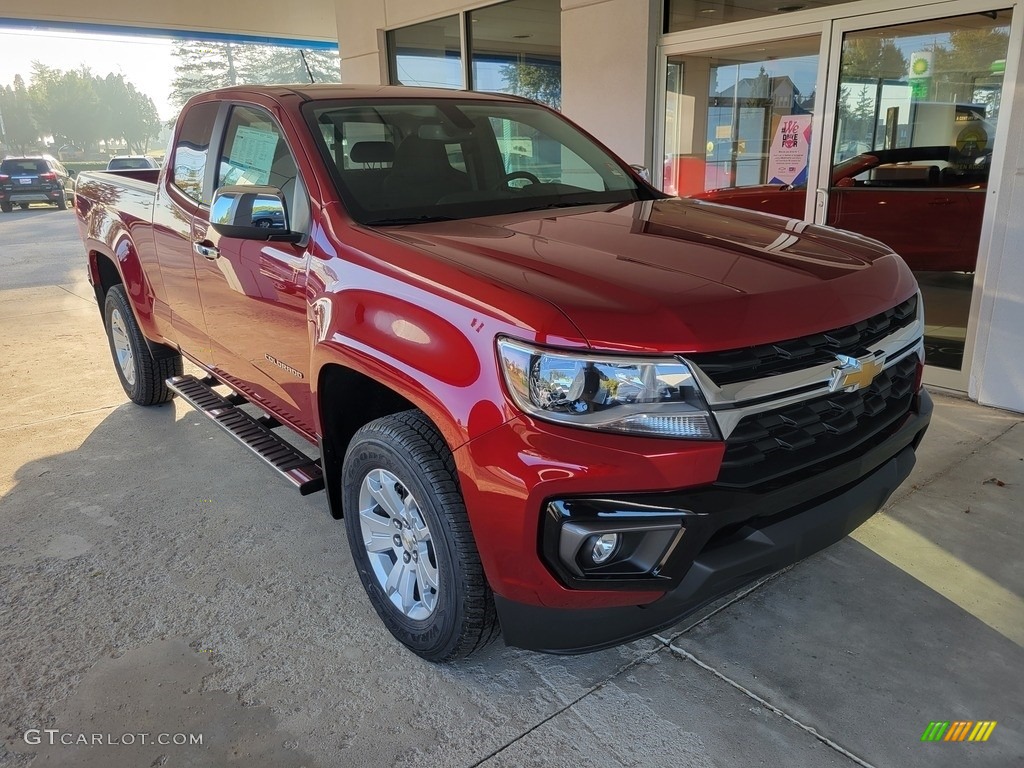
757	534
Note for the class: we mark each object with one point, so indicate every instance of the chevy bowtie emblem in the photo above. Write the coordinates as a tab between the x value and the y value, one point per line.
855	373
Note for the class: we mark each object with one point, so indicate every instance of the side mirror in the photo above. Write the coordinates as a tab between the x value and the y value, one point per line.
642	172
251	213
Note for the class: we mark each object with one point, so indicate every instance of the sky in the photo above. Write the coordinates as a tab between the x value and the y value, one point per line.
144	61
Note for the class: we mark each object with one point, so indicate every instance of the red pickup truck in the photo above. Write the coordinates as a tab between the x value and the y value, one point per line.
543	395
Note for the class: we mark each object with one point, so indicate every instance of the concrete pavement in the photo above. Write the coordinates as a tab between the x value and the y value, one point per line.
154	578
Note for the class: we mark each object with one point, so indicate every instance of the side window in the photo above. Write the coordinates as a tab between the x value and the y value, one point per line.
524	148
191	149
255	153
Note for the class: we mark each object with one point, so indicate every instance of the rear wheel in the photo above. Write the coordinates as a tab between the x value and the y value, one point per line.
142	372
410	538
23	206
6	207
61	203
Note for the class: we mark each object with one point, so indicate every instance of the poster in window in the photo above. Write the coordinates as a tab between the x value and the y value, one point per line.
790	150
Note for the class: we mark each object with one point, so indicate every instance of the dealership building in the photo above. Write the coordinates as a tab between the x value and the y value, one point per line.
900	120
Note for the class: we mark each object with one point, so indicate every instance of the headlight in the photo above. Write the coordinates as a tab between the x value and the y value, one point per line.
648	396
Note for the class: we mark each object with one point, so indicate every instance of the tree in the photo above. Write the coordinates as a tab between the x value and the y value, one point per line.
874	58
542	83
17	123
202	66
278	64
66	105
128	115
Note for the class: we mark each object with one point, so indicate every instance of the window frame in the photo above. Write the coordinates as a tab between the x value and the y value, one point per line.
465	45
221	138
206	185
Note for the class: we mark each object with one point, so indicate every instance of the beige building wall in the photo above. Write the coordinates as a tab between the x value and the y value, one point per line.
308	20
608	55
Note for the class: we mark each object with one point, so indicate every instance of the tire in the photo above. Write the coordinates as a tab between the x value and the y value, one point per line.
6	207
62	203
23	206
142	371
399	468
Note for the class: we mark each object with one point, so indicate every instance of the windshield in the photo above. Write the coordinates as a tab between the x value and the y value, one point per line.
128	163
402	162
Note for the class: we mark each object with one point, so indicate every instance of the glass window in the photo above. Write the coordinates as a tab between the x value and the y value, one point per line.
739	118
694	14
462	159
255	153
528	152
916	120
515	47
191	150
427	54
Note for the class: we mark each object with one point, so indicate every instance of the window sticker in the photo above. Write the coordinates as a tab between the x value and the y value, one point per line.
252	155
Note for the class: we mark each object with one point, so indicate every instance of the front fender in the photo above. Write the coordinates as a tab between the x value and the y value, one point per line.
440	365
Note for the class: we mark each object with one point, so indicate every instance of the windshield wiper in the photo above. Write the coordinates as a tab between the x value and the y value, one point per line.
399	220
565	204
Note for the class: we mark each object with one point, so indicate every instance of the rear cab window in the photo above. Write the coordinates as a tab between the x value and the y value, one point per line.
191	150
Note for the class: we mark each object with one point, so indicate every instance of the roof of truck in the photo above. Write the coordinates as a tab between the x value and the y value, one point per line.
331	91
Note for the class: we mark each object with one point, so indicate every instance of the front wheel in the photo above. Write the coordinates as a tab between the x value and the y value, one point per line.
410	538
142	372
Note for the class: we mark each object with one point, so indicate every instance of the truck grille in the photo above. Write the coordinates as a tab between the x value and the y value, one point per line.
765	360
812	435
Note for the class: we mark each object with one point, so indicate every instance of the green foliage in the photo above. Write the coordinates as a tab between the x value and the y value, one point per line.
203	66
76	108
19	128
533	81
873	57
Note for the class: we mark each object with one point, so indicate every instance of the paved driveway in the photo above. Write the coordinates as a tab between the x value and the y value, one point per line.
157	580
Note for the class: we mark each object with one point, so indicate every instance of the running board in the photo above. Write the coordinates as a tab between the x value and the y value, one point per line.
255	434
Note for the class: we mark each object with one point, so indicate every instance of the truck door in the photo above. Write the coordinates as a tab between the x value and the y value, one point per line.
183	193
254	292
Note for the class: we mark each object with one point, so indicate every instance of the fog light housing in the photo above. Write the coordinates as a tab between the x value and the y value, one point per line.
603	547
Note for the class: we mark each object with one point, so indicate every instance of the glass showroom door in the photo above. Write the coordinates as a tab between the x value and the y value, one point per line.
739	123
916	108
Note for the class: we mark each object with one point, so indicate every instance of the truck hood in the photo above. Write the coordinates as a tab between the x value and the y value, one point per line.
676	275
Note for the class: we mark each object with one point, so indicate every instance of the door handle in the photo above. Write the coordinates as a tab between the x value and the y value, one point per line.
206	251
821	203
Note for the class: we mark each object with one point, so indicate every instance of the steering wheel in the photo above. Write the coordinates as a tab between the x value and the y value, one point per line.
521	175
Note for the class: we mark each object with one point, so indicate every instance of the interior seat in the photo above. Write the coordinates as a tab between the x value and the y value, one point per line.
422	174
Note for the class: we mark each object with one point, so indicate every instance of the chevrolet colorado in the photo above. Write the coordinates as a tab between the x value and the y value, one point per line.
544	396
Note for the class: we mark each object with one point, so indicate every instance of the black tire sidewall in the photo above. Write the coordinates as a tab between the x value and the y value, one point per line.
116	300
435	636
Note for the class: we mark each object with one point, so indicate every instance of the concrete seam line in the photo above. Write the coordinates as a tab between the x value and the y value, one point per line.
930	480
771	707
58	418
598	686
76	295
719	609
